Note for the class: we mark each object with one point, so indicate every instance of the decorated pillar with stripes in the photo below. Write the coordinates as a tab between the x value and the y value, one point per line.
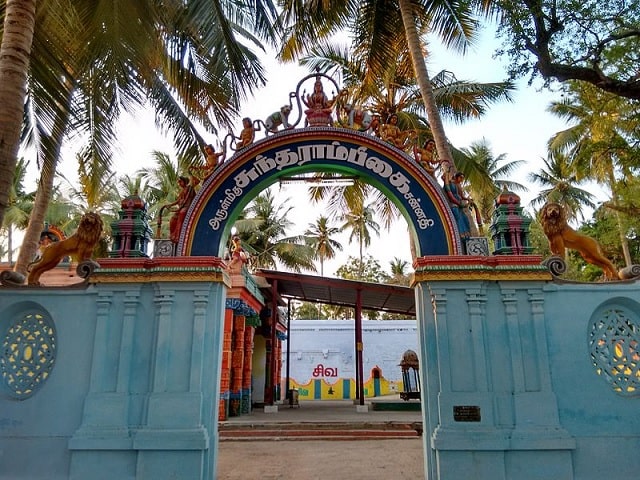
249	332
237	364
225	375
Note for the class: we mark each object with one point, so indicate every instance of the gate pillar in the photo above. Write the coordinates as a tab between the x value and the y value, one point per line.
152	407
488	403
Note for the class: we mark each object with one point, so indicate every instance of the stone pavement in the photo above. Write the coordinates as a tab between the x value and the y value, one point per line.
329	411
343	456
339	420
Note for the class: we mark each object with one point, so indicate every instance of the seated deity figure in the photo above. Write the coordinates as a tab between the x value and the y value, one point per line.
319	106
356	118
390	132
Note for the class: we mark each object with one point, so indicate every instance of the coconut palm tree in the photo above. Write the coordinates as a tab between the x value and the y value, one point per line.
319	237
560	184
376	26
133	185
264	232
186	61
128	186
360	222
63	212
399	271
495	174
53	60
95	189
19	18
49	146
393	89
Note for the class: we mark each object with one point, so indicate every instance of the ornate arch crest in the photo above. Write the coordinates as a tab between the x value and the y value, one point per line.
324	149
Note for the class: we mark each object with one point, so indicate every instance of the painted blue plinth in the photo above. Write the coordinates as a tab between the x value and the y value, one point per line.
134	388
521	380
516	379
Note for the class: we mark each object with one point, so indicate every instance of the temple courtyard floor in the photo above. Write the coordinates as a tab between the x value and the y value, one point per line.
323	440
321	460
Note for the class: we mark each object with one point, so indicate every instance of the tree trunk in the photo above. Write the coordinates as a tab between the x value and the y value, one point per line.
424	82
624	242
43	194
361	266
36	220
412	247
52	148
10	244
15	51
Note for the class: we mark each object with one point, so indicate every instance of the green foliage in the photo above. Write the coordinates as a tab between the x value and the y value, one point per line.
360	221
399	275
600	138
394	89
600	144
264	228
317	311
604	228
367	270
590	40
488	175
396	316
307	311
338	312
20	202
319	237
560	183
538	240
370	268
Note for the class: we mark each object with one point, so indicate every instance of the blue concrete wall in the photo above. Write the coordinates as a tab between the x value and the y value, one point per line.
510	384
134	388
514	377
34	433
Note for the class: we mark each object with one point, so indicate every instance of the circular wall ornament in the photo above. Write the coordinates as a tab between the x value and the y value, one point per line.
614	345
28	354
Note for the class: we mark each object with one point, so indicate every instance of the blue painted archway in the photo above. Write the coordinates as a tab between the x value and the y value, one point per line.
292	152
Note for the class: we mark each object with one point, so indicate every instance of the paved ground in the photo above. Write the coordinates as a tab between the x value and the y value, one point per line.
396	459
321	460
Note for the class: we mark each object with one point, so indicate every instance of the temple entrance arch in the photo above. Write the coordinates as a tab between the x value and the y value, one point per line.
224	194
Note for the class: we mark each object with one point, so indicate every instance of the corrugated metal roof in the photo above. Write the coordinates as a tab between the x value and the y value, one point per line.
336	291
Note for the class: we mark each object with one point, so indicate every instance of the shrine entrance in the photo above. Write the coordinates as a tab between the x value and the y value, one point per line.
421	200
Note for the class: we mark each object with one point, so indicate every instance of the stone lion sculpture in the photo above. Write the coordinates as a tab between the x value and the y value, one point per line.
560	235
80	245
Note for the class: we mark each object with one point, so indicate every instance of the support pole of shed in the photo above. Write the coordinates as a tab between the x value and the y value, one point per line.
271	367
359	348
288	385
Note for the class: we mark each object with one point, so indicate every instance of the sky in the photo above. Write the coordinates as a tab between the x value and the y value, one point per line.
519	129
